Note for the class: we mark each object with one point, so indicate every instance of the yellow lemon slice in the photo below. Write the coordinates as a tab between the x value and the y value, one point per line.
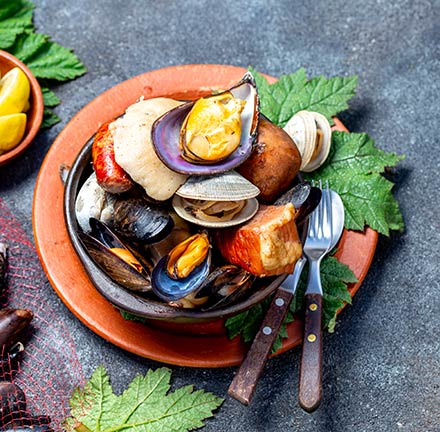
14	92
12	129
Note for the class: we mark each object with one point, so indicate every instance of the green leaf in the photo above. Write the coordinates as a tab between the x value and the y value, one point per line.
335	278
50	98
145	406
293	93
53	61
27	44
15	18
354	169
49	119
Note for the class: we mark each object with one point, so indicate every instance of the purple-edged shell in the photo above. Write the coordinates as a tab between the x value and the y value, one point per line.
166	131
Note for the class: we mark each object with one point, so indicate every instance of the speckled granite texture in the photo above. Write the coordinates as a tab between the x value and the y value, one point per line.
382	363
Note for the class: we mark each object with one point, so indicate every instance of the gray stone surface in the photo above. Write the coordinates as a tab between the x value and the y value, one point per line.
382	363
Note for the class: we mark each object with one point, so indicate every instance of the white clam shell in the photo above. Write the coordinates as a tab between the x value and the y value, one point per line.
302	128
228	186
324	126
248	211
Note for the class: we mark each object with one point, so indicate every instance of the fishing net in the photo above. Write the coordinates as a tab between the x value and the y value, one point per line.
47	370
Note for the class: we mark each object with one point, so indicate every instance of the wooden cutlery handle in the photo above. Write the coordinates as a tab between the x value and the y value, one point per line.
310	379
243	385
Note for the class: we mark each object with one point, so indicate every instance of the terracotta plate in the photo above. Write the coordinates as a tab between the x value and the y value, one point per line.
156	341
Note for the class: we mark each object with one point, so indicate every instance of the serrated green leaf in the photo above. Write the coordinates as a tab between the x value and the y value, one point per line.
326	96
15	18
27	44
145	406
50	98
49	119
53	61
293	93
274	97
353	169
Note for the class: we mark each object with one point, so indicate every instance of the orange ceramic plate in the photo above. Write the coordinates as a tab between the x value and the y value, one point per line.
65	272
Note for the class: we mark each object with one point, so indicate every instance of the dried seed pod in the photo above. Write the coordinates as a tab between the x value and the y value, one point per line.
3	265
13	323
186	256
12	402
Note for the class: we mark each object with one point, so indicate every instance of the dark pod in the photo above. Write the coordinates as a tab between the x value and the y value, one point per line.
13	323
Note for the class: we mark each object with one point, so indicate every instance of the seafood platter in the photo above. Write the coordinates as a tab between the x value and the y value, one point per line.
191	211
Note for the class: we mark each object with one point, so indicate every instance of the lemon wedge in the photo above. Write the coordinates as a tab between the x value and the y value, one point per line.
14	92
12	129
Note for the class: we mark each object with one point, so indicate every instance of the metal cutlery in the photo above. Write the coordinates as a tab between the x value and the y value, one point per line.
244	383
325	228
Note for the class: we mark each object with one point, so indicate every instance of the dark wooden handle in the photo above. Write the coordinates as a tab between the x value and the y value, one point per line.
310	378
243	385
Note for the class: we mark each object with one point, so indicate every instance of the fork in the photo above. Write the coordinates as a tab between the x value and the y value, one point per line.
317	246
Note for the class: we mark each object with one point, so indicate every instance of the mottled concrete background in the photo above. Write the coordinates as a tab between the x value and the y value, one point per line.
382	363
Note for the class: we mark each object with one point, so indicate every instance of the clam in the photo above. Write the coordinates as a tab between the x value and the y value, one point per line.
201	137
119	261
93	202
183	270
216	201
311	132
136	220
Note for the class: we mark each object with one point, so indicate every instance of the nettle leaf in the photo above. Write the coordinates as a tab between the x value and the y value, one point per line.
354	169
335	277
15	18
147	405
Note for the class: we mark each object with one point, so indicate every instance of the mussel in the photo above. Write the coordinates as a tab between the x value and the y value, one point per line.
136	220
121	262
225	285
176	138
183	270
304	197
212	129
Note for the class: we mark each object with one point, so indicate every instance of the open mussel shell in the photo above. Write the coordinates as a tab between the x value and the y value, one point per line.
225	285
114	257
165	134
304	197
136	220
169	289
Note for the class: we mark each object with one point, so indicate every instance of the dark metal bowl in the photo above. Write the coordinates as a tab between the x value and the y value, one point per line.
129	301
